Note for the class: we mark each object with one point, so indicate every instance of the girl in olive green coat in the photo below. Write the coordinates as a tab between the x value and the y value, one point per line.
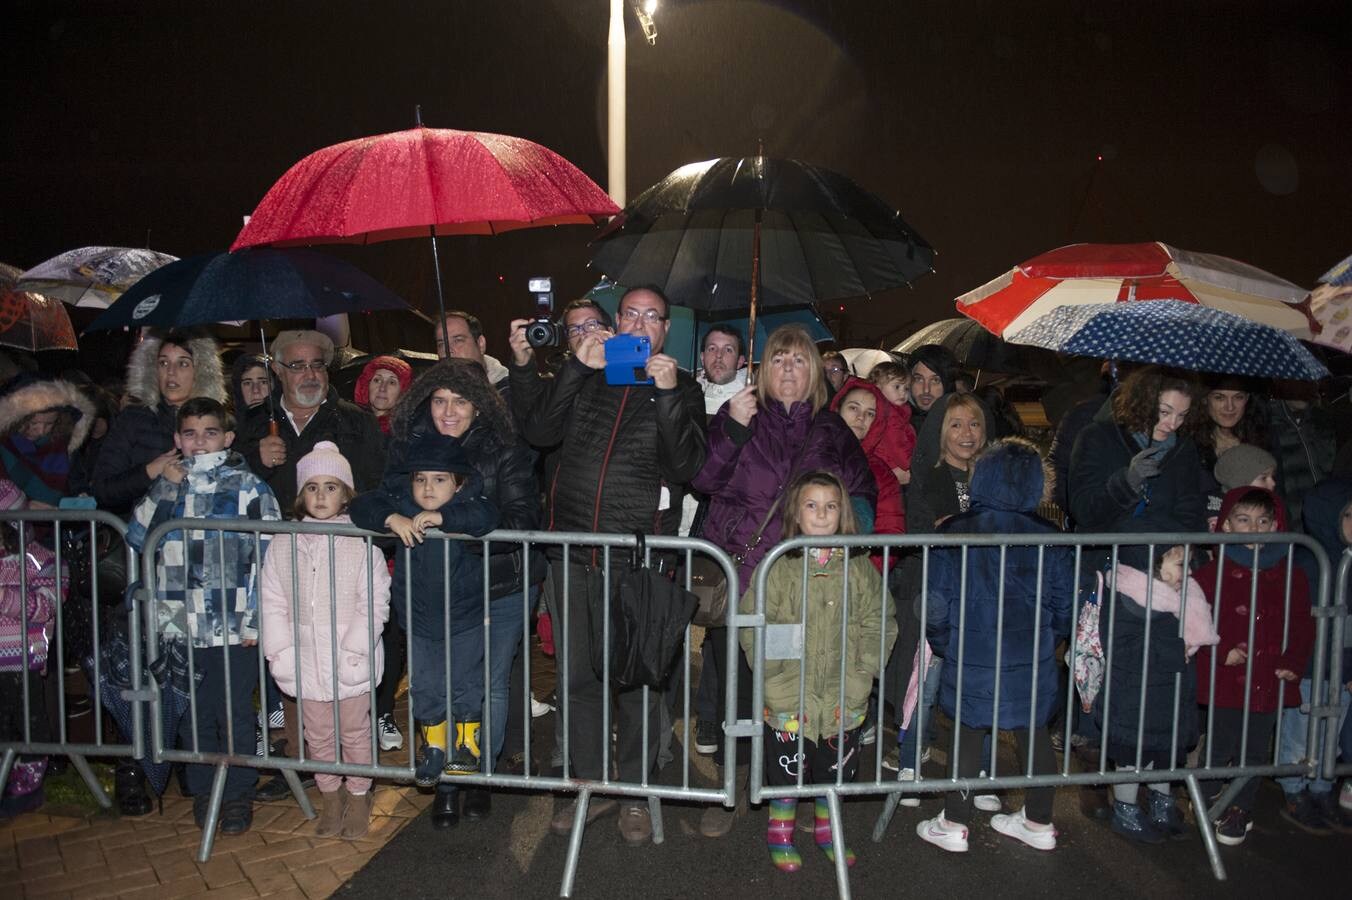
803	649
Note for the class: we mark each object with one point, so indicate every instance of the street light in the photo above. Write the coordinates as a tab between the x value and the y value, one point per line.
615	117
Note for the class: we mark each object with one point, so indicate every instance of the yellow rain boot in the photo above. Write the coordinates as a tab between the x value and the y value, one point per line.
429	768
465	759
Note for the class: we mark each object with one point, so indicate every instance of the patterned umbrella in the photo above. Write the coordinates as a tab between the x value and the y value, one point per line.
1331	305
1120	273
31	321
92	277
1169	333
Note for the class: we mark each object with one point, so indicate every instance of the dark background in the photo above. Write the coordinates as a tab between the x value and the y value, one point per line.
999	130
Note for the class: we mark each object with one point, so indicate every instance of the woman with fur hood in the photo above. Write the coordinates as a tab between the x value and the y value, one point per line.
455	398
165	369
43	421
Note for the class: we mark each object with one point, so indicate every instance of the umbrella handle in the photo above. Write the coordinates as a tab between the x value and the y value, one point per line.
272	428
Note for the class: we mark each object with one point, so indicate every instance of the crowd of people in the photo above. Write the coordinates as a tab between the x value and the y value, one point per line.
808	448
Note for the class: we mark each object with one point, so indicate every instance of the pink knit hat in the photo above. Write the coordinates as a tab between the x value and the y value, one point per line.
324	459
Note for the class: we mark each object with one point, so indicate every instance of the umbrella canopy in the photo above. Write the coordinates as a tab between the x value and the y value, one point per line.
422	181
92	277
1169	333
822	237
1331	306
1115	273
30	321
863	359
253	284
972	345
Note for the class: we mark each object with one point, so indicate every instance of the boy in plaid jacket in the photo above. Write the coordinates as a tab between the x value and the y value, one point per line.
206	592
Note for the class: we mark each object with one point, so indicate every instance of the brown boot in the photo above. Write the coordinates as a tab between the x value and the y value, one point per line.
717	819
357	818
331	813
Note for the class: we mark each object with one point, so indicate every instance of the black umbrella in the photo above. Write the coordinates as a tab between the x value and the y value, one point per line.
737	233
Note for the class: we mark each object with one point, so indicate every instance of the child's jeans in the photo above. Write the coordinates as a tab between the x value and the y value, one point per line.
354	735
1295	729
427	677
214	717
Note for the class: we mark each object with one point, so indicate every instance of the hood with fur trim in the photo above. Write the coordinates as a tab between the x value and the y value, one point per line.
464	377
1010	476
41	394
142	379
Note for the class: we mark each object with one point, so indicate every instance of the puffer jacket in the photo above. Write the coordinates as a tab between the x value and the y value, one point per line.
346	619
145	429
1270	621
871	618
1005	494
748	468
505	463
352	428
887	445
619	446
1305	444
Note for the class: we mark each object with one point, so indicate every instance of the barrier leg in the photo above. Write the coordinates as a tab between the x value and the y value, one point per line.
655	814
575	842
90	779
1204	825
6	766
302	799
885	817
1226	797
213	813
838	842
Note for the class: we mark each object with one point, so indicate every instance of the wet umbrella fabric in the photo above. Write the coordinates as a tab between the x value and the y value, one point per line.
1169	333
29	321
1331	305
973	345
264	283
822	237
92	277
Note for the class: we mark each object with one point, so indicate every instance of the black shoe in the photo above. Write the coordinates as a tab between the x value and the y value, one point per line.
236	816
276	788
1233	827
707	735
478	803
129	789
444	814
1302	811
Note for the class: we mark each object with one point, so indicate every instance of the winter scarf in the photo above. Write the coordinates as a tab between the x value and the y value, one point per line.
1197	628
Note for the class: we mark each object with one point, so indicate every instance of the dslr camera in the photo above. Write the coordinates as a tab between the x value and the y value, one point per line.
542	331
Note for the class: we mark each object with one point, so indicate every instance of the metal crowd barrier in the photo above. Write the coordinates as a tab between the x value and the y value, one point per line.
567	546
55	529
1104	547
1341	634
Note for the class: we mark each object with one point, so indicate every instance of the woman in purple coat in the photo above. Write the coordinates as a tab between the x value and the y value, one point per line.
758	441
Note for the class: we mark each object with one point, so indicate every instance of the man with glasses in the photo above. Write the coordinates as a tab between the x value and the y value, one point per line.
463	338
624	453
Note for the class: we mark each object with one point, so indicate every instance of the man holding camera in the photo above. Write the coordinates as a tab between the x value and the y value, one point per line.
625	450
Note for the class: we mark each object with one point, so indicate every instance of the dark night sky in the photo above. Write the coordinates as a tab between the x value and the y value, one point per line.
981	121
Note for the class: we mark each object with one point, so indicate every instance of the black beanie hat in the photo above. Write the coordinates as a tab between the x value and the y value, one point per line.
432	451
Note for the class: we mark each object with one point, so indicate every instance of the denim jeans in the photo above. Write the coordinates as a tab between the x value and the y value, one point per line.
1295	729
928	694
508	613
427	677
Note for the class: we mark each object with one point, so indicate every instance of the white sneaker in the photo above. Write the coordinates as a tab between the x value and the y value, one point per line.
986	802
390	736
911	800
539	708
1015	825
944	834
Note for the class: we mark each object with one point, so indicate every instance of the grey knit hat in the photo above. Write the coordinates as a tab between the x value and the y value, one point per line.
1241	464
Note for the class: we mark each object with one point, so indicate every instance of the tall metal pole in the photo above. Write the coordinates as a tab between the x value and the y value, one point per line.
615	100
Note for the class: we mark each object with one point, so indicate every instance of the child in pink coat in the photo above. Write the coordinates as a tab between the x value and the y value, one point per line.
323	643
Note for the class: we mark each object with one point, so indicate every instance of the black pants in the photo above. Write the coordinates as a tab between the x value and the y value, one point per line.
586	694
1037	802
213	713
1227	732
818	761
396	649
718	636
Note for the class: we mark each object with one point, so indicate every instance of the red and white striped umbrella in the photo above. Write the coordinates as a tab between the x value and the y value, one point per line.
1106	273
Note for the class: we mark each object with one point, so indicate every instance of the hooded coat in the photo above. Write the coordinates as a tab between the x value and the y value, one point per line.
749	468
887	445
1007	486
502	460
1323	512
145	429
41	468
1270	619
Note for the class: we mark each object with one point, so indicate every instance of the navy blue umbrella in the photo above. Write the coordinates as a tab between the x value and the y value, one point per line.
1169	333
259	283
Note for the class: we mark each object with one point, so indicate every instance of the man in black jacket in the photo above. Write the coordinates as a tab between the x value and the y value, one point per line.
624	452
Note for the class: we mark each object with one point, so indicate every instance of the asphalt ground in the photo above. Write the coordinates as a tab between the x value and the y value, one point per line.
512	854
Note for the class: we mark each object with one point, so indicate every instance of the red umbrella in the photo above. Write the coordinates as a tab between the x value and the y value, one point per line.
424	181
31	321
1082	274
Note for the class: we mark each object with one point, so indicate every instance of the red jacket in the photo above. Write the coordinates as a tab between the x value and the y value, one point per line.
887	445
1232	622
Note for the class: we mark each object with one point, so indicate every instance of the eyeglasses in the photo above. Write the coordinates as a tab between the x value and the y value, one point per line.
590	326
835	370
300	365
647	315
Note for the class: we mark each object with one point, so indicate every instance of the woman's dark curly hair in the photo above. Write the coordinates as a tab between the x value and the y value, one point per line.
1136	402
1252	427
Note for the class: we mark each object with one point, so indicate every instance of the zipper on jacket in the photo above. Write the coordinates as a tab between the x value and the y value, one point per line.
605	464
